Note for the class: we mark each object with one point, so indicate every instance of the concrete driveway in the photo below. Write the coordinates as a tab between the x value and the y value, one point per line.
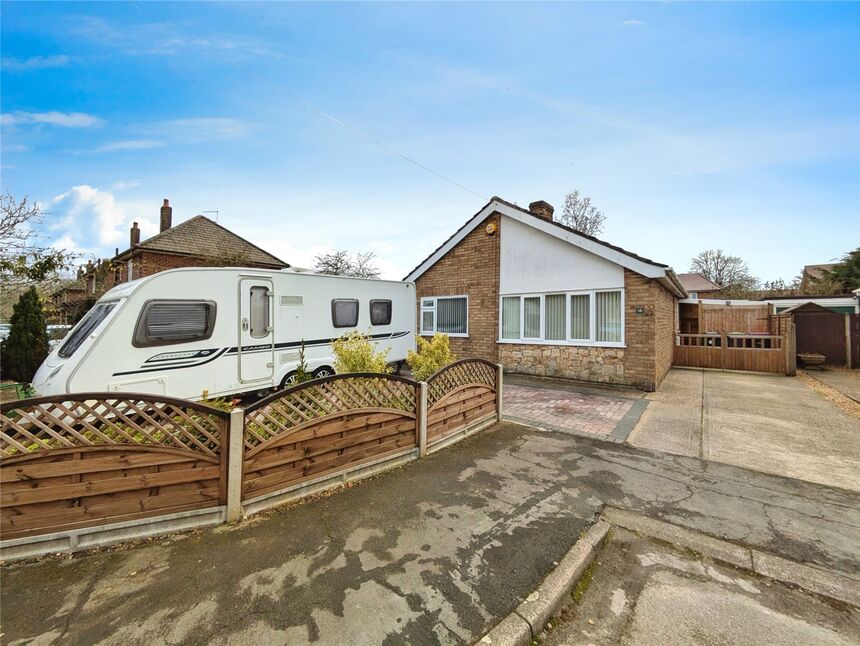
434	552
773	424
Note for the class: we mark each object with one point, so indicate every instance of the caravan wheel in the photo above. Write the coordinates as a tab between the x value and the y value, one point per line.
325	371
289	380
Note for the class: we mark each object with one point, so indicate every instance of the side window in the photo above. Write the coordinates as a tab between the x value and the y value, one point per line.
164	322
87	325
380	312
259	311
344	312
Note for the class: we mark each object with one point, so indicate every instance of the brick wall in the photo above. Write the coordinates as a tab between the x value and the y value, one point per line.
665	329
649	336
472	267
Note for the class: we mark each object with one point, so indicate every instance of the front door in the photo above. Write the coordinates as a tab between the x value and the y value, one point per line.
256	330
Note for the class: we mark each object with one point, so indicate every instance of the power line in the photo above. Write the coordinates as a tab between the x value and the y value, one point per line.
343	124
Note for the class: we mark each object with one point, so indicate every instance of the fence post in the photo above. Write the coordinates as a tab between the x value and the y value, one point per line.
500	380
234	466
422	419
790	341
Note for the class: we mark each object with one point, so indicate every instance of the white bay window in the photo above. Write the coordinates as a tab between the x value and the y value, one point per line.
593	317
446	314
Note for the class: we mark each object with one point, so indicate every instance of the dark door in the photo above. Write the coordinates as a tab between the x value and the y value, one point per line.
821	332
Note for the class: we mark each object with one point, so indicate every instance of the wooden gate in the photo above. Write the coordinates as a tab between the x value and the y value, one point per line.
97	458
460	396
757	353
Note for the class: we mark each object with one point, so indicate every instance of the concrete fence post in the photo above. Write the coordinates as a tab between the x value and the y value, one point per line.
234	465
500	382
422	419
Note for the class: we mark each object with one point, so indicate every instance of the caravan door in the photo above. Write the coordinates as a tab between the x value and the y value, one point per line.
256	330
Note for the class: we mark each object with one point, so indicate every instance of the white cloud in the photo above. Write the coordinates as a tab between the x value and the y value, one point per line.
634	23
34	63
123	185
128	144
52	118
202	129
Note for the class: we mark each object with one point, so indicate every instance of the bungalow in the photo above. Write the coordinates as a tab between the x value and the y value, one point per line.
515	287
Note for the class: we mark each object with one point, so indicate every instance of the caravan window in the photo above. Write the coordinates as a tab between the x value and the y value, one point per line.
86	327
344	312
174	321
259	312
380	312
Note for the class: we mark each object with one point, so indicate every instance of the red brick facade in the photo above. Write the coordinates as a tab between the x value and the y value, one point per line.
472	268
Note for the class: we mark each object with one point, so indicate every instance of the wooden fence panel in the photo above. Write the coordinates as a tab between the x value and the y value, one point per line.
745	319
98	458
324	427
461	395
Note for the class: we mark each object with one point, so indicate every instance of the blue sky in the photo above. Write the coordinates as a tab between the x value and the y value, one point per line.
690	125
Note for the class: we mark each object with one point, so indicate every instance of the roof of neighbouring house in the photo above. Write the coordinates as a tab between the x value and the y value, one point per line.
696	282
817	271
202	237
72	286
590	243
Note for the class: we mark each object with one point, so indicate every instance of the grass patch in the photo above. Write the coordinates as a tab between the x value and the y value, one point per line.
583	583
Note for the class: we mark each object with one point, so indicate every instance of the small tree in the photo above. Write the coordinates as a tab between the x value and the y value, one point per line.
580	214
302	372
729	272
27	345
341	263
355	352
432	356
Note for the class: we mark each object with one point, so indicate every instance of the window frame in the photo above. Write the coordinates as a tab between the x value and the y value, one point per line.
267	311
139	338
357	312
390	304
592	314
76	337
422	308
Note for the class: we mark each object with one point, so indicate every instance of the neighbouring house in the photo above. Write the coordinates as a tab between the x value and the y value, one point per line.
698	285
515	287
196	242
70	301
811	274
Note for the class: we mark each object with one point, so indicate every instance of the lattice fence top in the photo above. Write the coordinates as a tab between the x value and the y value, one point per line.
36	425
304	403
460	373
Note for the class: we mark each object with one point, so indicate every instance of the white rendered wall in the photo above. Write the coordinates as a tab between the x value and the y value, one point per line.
534	261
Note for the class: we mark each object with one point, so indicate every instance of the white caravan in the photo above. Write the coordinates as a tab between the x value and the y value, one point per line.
220	331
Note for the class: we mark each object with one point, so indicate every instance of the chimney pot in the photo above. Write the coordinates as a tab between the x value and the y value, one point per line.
541	209
135	235
166	216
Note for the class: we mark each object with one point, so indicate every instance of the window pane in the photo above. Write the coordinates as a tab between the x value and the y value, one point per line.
451	315
555	317
259	312
344	312
531	317
511	317
608	316
86	327
580	322
176	321
380	312
427	321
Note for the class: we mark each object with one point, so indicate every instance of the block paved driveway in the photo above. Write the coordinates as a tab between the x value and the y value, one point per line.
570	408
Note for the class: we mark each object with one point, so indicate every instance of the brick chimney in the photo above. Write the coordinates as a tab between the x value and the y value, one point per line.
542	209
166	216
135	235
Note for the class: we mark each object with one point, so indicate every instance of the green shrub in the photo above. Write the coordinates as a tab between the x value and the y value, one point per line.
432	355
27	344
302	372
355	352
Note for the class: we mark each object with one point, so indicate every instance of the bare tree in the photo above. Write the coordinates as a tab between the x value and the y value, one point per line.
580	214
341	263
23	259
729	272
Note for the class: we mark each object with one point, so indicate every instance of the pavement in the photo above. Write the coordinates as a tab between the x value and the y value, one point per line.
572	408
645	592
437	551
768	423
